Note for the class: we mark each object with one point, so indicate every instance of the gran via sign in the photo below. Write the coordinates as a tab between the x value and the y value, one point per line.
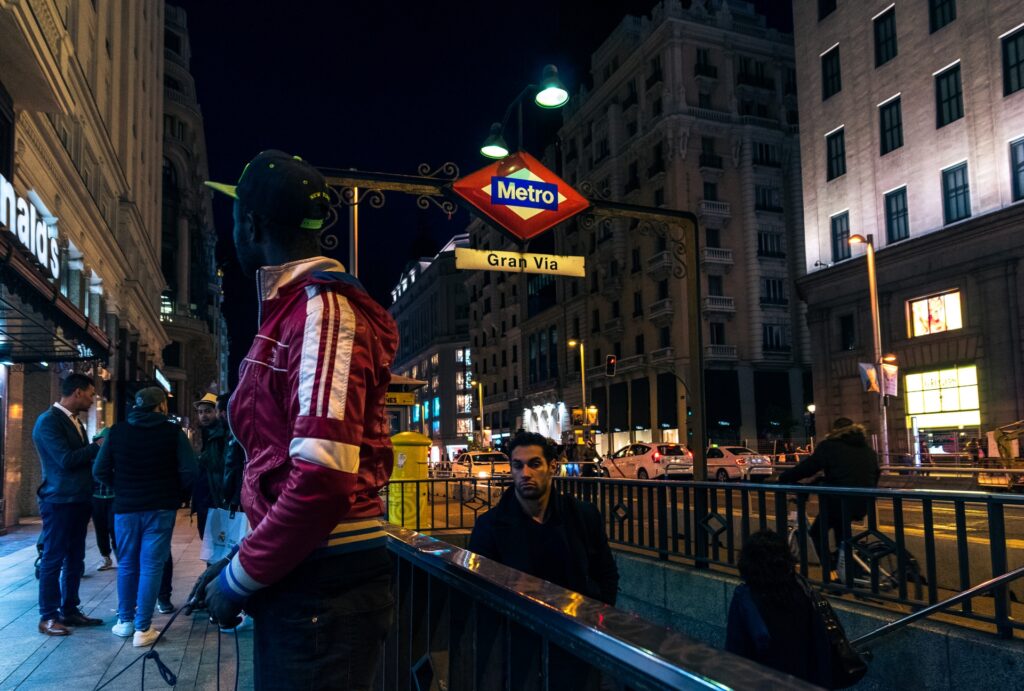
31	226
519	262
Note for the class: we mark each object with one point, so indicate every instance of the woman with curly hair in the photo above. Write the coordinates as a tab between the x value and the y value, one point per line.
771	618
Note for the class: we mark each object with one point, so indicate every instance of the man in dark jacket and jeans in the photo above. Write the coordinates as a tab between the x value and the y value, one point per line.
846	460
149	462
544	533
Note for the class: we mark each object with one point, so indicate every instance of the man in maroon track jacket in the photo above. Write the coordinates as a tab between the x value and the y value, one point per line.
309	412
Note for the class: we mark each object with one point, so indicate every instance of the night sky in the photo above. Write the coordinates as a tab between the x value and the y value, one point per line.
380	86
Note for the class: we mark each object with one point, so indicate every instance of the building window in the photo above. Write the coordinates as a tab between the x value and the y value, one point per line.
767	198
715	285
664	337
944	398
949	100
635	260
638	343
847	332
1013	62
897	226
956	194
841	237
831	81
835	146
1017	169
940	13
595	322
825	8
773	291
716	333
662	289
770	244
885	37
638	304
773	337
710	191
935	314
890	118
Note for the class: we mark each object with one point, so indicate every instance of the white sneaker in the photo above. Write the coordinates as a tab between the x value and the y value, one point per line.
105	565
246	623
123	628
145	638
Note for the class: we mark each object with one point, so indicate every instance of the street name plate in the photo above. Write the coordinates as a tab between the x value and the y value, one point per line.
399	398
519	262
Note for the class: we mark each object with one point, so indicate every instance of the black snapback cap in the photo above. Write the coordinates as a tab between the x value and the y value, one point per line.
283	188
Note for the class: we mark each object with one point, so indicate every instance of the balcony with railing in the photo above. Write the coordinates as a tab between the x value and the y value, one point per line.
613	328
660	313
716	257
713	209
653	78
660	265
631	363
719	351
663	356
719	303
709	114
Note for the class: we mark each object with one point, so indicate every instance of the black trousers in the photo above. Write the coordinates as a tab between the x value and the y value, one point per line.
103	522
324	625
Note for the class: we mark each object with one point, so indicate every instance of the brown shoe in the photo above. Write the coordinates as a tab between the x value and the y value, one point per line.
52	627
79	619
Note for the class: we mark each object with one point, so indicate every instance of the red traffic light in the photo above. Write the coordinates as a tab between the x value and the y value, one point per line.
609	365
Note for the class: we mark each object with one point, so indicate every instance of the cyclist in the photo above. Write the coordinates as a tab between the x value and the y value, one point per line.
846	460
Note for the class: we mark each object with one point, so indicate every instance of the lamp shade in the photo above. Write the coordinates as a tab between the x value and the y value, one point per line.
494	146
552	93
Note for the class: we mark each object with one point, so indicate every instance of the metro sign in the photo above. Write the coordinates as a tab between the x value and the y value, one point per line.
521	195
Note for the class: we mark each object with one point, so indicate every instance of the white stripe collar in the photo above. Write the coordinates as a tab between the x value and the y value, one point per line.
272	278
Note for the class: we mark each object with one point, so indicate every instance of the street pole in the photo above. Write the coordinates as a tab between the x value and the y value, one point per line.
480	402
876	326
353	236
583	390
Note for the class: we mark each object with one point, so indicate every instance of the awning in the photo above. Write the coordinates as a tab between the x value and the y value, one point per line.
37	323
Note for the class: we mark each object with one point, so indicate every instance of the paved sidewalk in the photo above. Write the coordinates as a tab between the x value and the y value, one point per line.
91	656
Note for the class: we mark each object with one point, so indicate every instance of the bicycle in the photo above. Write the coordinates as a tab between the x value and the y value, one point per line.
874	556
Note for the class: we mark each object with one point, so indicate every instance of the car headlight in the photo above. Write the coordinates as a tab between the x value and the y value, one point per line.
483	474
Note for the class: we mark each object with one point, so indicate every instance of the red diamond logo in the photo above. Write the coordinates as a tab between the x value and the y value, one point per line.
521	195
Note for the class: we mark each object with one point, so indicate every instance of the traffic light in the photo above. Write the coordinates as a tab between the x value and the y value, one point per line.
689	411
609	365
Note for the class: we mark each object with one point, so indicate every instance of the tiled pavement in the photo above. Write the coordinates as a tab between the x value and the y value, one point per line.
91	656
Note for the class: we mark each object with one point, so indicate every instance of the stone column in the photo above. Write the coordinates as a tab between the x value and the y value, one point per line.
183	297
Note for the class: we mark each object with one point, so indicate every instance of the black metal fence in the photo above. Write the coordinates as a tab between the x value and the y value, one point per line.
464	622
908	547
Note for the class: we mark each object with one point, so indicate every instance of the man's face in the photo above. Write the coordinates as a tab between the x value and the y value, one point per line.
206	415
531	472
82	399
249	255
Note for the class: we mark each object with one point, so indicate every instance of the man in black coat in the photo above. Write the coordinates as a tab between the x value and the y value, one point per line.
65	504
846	460
544	533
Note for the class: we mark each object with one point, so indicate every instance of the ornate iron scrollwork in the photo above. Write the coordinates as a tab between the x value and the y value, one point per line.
676	239
447	171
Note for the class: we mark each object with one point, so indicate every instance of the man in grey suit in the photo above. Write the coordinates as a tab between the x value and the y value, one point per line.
65	505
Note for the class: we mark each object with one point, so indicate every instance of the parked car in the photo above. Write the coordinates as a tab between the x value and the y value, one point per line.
647	460
481	465
738	463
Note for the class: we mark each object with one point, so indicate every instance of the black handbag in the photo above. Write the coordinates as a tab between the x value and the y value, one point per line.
847	665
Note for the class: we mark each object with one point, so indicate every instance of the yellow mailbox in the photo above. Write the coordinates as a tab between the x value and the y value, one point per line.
407	501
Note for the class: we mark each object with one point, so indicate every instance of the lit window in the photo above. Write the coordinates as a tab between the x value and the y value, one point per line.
464	425
416	413
944	398
437	406
435	426
935	314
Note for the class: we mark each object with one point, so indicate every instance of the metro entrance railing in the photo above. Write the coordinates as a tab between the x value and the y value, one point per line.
465	622
916	548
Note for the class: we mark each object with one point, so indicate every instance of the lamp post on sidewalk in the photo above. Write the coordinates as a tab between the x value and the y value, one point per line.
583	382
876	329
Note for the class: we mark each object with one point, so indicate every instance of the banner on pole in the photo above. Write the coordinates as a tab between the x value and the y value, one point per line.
869	377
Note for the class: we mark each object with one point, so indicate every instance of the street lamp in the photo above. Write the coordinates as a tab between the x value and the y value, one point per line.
480	400
876	329
549	94
583	382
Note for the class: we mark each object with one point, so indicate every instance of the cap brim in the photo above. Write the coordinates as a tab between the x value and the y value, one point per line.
230	190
